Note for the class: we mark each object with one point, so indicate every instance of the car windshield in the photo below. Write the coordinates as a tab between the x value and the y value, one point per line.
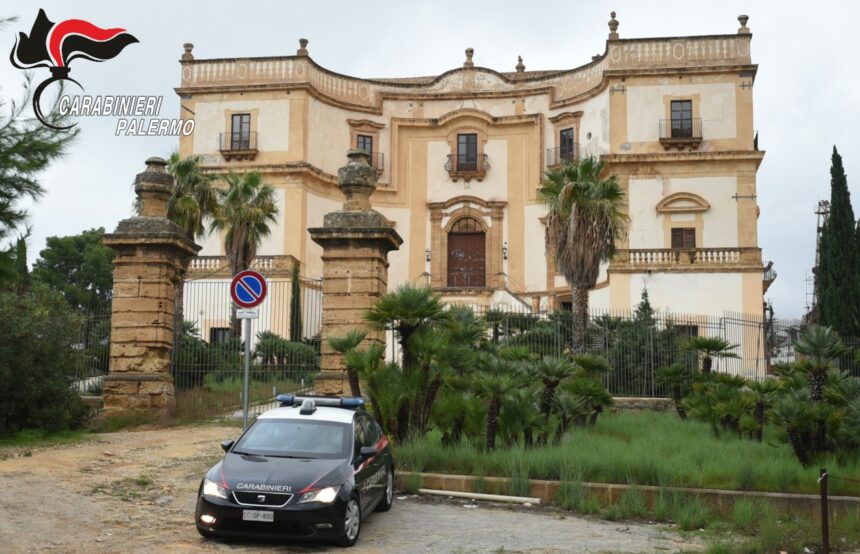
296	439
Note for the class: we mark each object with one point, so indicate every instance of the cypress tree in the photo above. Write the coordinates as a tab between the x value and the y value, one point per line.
837	278
295	307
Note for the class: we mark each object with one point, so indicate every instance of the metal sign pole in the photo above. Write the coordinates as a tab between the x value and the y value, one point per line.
247	374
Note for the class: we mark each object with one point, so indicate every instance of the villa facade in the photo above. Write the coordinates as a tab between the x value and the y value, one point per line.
460	158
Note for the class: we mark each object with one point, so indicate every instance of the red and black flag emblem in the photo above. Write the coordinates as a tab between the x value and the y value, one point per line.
55	45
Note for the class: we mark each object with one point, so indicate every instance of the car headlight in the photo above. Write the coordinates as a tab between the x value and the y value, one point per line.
323	496
211	488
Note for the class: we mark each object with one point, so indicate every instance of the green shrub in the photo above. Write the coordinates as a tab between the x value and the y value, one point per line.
37	362
691	513
631	504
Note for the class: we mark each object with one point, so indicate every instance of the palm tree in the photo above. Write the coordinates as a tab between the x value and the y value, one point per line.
246	208
495	380
584	221
820	346
193	200
347	347
551	372
678	377
571	408
763	394
794	412
405	311
710	348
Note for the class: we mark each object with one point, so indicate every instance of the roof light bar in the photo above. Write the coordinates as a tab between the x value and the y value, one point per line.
288	400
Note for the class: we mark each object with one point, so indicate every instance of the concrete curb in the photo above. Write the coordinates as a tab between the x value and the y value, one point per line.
721	501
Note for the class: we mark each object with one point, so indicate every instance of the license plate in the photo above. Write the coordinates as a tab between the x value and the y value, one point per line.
258	515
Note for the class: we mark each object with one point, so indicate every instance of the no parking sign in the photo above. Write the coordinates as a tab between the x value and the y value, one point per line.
248	289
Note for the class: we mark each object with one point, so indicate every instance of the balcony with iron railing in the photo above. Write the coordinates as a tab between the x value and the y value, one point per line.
466	167
561	155
681	133
768	277
684	259
238	146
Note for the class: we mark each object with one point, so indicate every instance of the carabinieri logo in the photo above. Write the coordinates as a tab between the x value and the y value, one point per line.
55	45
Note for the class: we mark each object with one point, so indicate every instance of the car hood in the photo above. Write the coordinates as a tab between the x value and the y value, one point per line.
270	474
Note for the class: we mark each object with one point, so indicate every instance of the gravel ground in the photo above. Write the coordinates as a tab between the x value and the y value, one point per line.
135	492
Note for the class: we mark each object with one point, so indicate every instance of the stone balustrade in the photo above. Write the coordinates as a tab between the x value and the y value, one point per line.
217	266
686	259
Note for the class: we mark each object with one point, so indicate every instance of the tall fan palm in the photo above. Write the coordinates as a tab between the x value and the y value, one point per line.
584	221
194	199
246	208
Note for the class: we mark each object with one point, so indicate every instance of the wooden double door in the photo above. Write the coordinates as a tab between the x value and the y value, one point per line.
467	259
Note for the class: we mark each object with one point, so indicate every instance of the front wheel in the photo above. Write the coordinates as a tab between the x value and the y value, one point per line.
351	523
388	496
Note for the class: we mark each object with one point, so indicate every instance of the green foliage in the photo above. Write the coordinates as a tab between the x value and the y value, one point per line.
710	348
80	267
295	306
644	448
637	347
194	197
838	288
37	362
585	219
26	149
406	310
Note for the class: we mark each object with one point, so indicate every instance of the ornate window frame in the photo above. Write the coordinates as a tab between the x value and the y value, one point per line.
443	216
560	122
368	128
682	203
481	166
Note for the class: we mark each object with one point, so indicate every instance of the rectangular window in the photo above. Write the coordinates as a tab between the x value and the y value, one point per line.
365	142
467	152
240	135
566	146
682	118
219	335
684	237
687	332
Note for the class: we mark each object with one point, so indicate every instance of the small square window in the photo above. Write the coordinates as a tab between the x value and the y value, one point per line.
683	237
219	335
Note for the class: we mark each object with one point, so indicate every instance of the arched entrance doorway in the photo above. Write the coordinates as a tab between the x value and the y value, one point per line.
467	254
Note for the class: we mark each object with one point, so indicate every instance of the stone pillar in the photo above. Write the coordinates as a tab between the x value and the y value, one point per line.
356	241
151	252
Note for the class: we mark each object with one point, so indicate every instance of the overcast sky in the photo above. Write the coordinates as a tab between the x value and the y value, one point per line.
806	93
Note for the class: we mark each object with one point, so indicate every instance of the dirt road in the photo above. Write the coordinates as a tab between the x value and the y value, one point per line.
135	492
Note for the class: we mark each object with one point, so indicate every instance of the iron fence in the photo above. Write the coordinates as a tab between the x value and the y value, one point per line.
208	357
637	344
93	350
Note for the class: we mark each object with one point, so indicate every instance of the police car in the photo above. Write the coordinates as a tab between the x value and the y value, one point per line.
311	469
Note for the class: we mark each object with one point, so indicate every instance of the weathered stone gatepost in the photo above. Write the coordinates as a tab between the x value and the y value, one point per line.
356	241
151	252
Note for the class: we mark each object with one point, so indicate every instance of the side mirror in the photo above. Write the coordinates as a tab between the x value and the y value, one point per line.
367	452
226	445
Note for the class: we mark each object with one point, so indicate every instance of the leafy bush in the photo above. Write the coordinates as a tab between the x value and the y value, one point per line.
37	362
